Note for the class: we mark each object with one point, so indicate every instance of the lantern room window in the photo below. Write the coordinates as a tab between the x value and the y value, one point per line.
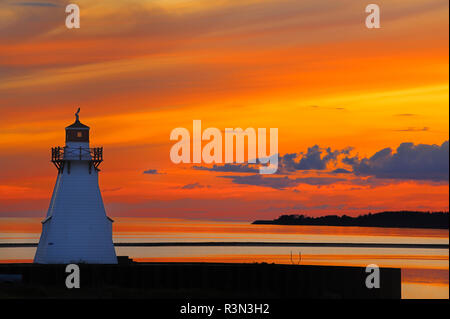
79	134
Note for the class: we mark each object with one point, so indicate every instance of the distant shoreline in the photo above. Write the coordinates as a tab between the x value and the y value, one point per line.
398	219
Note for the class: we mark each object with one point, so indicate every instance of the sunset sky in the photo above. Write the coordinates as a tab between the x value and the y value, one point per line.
362	114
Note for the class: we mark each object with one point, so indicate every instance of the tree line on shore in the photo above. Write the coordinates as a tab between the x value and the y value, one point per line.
395	219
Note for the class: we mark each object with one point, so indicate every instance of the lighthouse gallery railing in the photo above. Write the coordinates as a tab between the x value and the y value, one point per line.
61	155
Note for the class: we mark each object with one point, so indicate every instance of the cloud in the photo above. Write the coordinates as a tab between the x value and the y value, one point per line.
279	183
26	21
341	171
235	168
409	162
319	181
313	159
414	129
317	107
282	183
36	4
412	162
152	172
194	186
405	115
316	158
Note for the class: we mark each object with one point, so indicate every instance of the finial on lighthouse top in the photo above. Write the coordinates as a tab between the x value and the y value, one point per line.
77	117
77	124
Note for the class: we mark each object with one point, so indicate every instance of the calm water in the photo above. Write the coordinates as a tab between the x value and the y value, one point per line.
425	272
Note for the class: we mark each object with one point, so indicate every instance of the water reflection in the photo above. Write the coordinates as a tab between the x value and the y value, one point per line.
424	271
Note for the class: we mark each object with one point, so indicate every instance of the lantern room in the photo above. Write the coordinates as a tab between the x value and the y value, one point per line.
77	132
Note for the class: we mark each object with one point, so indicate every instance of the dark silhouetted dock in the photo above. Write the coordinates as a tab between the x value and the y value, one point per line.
129	279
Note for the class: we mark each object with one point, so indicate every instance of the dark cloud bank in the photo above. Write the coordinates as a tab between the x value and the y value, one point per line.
416	162
409	162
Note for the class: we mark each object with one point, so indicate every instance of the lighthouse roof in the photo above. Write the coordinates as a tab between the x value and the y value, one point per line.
77	125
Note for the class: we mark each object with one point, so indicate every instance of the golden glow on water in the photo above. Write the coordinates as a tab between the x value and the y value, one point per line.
423	270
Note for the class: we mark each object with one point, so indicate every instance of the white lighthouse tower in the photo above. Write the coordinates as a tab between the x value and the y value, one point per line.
76	228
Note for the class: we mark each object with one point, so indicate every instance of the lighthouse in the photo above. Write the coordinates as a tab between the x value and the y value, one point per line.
76	228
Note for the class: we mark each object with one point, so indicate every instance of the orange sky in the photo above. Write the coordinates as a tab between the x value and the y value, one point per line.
139	69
